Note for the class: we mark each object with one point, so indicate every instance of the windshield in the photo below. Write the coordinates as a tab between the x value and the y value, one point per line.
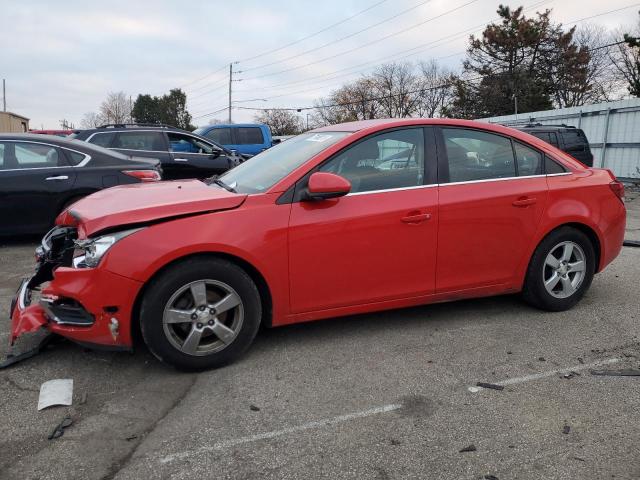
261	172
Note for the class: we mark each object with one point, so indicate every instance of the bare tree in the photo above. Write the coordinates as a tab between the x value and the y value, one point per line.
625	57
395	87
116	108
281	122
435	83
91	120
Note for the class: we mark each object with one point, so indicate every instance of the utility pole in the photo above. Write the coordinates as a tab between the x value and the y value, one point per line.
230	82
4	96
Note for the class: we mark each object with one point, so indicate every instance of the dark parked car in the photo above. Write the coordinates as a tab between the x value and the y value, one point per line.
182	154
40	175
569	139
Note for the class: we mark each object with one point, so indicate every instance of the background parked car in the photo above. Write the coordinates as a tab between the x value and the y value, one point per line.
42	174
248	139
182	154
59	133
569	139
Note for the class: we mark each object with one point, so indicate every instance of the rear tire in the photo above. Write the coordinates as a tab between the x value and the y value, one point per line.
200	313
560	271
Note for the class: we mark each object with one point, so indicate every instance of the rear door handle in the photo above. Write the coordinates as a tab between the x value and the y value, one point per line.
181	159
524	202
417	218
59	177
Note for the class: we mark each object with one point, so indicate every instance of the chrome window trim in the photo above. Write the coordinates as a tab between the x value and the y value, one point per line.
88	140
459	183
86	160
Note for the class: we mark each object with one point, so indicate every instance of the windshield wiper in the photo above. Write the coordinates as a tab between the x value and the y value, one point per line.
219	182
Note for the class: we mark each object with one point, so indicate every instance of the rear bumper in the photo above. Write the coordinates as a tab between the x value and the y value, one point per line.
90	306
613	237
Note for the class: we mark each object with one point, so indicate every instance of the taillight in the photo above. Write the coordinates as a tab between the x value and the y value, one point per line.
617	187
143	175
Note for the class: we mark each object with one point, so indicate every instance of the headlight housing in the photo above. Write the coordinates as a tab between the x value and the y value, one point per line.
89	252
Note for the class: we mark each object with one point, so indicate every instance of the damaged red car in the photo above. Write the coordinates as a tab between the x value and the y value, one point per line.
342	220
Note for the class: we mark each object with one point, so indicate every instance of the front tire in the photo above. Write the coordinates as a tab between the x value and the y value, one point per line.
560	271
200	313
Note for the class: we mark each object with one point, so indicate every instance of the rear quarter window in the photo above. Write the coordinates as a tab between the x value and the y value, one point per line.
75	158
102	139
551	166
221	136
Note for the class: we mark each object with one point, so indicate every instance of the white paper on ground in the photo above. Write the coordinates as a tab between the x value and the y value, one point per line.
56	392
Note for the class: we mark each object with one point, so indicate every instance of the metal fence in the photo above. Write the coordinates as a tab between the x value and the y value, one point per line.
613	130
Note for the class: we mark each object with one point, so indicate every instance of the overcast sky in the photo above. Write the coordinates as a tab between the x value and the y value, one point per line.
61	58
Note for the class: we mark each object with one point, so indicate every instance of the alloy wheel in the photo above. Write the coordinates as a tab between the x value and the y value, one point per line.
564	269
203	317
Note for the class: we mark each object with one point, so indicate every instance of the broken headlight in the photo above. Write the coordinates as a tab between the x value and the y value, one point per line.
89	252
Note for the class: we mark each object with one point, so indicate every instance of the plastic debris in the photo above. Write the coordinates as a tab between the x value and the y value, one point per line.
625	372
470	448
253	408
59	430
566	429
56	392
492	386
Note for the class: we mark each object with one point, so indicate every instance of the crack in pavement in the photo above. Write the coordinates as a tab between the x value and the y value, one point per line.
120	465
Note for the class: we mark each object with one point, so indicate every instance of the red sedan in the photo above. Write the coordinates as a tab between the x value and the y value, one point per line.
341	220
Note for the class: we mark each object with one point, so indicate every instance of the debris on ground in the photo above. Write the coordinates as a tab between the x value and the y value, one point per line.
580	361
542	359
490	477
566	429
470	448
570	374
56	392
12	359
395	441
631	243
59	430
253	408
625	372
131	437
83	399
492	386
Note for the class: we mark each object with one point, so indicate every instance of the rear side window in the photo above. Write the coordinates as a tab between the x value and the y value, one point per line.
220	135
1	155
35	155
552	166
475	155
102	139
139	141
573	141
529	160
249	135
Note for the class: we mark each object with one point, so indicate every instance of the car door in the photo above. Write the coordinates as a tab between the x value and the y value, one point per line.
33	178
488	213
197	158
378	242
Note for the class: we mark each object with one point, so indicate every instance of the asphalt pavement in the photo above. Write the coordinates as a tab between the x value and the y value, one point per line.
390	395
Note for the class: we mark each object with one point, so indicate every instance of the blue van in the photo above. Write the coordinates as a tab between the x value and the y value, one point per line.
247	139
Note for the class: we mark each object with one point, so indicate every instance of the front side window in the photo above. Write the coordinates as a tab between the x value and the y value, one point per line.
264	170
249	136
529	160
221	136
179	142
139	141
35	155
475	155
389	160
552	167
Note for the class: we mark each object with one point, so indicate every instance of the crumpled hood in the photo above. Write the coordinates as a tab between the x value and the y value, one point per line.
146	202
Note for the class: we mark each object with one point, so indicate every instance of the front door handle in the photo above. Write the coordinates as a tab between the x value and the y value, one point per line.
416	218
524	202
59	177
181	159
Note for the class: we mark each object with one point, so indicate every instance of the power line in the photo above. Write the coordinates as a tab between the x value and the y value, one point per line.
313	34
366	44
419	49
339	39
206	76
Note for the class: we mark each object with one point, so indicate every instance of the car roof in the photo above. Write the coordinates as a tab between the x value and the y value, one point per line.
35	137
545	127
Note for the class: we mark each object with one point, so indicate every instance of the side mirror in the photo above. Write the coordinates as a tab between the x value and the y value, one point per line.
323	185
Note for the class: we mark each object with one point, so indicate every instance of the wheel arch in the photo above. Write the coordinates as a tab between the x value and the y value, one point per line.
583	227
266	299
